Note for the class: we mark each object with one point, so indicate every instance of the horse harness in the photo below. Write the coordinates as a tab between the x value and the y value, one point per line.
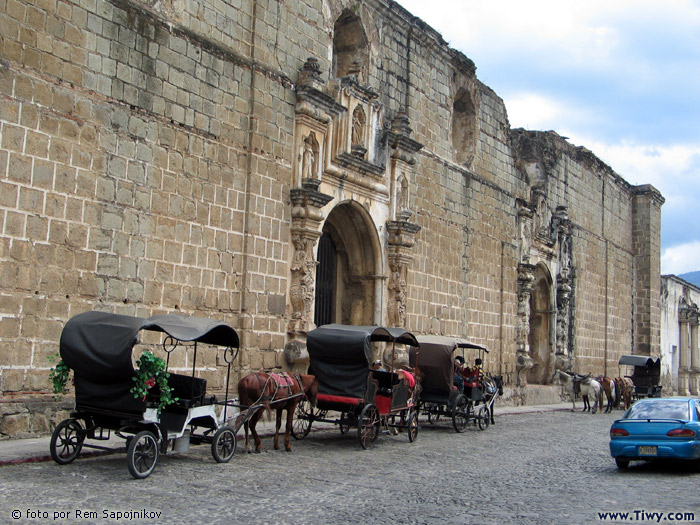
282	383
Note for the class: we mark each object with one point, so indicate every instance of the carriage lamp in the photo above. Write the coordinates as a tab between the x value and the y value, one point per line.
680	433
618	432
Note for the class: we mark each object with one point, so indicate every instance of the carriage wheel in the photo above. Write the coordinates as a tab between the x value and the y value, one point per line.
412	422
303	417
368	426
483	417
344	423
460	413
223	444
67	441
142	454
433	414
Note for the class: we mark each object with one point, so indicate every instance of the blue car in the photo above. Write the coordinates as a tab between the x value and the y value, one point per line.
657	428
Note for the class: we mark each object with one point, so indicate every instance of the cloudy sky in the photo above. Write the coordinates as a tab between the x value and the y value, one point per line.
620	77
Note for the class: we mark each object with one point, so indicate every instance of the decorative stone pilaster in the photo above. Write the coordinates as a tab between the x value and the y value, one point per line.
562	360
402	237
684	364
307	219
694	378
524	362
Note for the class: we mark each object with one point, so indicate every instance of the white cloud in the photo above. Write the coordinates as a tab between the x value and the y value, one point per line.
681	259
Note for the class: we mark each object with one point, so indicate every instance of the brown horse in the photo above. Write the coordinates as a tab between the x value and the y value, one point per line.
610	390
627	391
274	391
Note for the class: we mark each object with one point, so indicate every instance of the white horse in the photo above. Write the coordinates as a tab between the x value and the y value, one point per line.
589	388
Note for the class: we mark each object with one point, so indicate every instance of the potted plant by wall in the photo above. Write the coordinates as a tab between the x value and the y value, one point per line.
151	372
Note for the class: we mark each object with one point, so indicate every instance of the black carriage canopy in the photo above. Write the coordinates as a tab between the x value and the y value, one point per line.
340	355
97	345
435	359
640	360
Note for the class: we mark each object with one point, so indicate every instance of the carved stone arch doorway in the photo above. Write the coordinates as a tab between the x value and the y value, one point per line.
540	341
348	266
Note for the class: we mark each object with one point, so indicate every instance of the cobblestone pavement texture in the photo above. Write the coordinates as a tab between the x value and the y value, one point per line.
550	467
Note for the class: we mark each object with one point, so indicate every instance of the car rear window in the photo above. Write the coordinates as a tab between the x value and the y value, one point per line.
660	409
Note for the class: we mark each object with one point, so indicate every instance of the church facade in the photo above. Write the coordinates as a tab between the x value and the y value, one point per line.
285	165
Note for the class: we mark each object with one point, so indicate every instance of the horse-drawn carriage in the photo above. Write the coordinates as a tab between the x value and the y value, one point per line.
645	376
440	397
369	400
98	347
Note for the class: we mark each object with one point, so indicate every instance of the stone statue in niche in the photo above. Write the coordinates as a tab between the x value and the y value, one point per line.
358	125
525	238
308	170
402	193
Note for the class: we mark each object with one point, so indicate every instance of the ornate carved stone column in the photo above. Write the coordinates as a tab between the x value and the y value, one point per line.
684	364
526	276
307	220
694	352
562	360
402	237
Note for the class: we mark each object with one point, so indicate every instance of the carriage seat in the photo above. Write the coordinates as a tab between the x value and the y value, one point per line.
386	381
189	390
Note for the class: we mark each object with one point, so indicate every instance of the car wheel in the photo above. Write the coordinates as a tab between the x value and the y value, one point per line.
622	463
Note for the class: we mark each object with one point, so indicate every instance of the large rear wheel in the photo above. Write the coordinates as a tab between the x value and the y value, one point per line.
303	417
67	441
368	426
412	423
223	444
460	413
142	454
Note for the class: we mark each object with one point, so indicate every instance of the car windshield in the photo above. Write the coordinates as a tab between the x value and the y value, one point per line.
659	409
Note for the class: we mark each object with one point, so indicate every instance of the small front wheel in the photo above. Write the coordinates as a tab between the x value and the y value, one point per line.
483	416
142	454
303	417
223	444
67	441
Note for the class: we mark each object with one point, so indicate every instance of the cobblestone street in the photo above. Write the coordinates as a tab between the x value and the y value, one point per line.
531	468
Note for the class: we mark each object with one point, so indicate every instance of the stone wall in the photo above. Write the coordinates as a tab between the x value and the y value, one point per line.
150	162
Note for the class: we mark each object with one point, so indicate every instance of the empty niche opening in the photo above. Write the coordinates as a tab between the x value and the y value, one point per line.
463	128
350	47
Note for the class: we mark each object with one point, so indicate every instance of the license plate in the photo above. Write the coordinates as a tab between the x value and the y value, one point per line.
647	451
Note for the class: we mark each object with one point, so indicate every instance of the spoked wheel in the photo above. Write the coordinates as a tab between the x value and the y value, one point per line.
344	423
412	423
142	454
433	414
460	413
368	426
223	444
483	417
303	417
67	441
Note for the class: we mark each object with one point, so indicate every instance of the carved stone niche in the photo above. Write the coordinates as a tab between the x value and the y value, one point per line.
314	114
356	131
403	161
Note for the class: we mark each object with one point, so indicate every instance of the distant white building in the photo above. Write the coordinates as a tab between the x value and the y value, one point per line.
680	353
